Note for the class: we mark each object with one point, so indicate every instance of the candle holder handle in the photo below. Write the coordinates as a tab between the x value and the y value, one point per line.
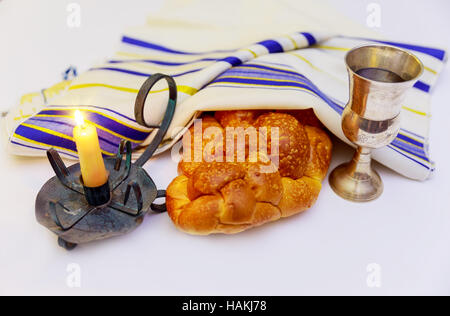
167	119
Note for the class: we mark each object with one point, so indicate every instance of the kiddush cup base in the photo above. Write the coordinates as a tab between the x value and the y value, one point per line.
355	186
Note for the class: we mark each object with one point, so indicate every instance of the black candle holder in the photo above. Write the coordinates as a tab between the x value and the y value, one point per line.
80	214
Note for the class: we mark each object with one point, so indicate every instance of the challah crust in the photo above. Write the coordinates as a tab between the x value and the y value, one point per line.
230	197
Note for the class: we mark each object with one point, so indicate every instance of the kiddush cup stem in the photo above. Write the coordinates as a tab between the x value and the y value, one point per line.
379	77
356	180
362	161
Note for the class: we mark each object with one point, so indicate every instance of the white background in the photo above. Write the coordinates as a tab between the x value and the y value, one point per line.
323	251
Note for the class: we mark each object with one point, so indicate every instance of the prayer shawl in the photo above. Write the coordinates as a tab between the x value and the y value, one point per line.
274	55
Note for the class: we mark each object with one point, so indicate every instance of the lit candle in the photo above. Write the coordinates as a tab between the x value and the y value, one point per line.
91	161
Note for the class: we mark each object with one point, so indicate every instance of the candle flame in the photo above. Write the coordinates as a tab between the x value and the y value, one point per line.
79	119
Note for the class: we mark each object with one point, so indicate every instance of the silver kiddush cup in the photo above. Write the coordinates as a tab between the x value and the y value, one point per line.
379	78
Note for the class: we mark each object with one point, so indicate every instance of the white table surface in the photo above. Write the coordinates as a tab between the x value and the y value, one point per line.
323	251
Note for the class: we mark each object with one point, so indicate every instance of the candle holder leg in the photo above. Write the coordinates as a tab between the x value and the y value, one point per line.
66	245
357	180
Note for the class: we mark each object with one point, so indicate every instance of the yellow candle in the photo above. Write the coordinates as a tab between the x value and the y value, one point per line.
91	161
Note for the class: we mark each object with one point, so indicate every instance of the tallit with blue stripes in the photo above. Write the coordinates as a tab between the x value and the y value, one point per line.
294	71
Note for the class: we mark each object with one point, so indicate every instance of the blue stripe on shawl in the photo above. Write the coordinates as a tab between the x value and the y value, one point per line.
272	46
105	122
310	38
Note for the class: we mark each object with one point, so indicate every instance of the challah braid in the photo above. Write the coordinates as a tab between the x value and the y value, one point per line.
229	197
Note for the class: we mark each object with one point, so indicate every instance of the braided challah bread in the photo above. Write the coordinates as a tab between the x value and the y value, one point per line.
214	195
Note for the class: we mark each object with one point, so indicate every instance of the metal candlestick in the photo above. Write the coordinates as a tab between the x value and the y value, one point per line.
79	214
379	78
